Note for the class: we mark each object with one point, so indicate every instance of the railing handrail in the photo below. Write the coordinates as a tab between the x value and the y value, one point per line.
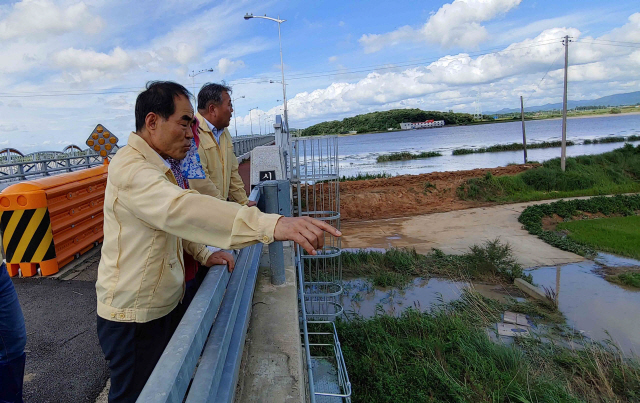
221	307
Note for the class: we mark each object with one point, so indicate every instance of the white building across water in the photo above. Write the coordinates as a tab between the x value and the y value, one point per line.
422	125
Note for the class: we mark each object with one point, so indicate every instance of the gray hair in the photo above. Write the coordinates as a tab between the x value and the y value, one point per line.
211	93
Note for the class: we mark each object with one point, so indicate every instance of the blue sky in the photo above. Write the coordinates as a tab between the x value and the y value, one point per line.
67	65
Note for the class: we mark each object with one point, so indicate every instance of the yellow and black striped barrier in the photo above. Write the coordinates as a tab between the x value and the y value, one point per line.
27	235
48	222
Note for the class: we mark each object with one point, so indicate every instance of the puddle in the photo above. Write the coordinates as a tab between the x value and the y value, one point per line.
361	297
591	304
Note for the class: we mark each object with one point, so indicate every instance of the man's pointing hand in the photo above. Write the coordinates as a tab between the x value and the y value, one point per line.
305	231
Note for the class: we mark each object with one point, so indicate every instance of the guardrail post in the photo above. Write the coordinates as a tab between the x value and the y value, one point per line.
277	200
68	164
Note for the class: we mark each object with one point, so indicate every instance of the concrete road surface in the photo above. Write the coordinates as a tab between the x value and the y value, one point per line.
455	231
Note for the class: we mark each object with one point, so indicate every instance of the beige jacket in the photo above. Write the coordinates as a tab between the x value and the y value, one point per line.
220	165
148	220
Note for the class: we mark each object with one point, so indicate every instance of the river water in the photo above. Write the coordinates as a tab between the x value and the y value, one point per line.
357	154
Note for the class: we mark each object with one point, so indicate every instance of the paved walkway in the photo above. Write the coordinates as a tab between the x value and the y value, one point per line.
64	360
455	231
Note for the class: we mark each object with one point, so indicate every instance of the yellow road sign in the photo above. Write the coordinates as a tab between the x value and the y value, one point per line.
102	141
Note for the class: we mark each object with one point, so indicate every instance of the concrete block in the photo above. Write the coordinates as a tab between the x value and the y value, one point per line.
515	318
530	289
270	161
508	329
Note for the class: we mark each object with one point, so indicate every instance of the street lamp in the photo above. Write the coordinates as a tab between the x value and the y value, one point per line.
235	115
193	75
251	119
284	87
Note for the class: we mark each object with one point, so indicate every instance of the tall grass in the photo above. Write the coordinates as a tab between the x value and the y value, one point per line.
613	172
491	261
405	156
365	176
446	355
509	147
605	140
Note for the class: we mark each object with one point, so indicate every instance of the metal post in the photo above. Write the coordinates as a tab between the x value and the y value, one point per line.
284	86
563	155
524	136
21	171
277	201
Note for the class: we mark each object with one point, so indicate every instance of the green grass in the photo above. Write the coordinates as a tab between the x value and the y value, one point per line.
605	140
445	355
531	217
364	176
618	235
509	147
396	267
405	156
613	172
630	278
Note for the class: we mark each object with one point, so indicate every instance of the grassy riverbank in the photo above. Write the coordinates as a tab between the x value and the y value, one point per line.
446	355
613	172
405	156
492	261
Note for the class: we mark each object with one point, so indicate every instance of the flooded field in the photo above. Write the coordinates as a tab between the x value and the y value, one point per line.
592	306
362	298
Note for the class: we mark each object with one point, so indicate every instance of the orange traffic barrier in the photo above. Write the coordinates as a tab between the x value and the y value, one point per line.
48	221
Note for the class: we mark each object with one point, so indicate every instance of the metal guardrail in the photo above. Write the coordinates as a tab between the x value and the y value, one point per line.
20	170
212	332
15	167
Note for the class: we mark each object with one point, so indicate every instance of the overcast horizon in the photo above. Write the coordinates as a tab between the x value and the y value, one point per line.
68	65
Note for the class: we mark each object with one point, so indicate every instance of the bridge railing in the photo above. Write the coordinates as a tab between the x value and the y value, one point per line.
211	336
15	168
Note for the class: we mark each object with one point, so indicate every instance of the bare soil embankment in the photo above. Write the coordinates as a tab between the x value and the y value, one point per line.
410	195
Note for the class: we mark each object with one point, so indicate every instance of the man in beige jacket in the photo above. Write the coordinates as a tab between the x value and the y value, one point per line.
216	148
148	221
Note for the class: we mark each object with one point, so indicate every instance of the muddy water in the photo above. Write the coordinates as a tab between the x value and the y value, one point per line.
362	298
593	305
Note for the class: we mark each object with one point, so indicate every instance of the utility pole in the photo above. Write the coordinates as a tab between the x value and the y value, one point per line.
563	155
524	136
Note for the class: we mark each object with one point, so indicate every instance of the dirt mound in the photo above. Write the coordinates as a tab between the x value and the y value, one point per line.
409	195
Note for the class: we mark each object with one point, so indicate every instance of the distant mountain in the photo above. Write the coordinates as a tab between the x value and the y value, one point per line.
630	98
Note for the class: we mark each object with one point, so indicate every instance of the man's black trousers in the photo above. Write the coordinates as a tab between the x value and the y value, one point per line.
133	349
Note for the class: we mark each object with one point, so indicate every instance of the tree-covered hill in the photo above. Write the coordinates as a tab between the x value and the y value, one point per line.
378	121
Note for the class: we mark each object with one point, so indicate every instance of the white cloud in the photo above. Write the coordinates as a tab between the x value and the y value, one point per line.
454	24
38	18
333	58
226	66
116	60
452	82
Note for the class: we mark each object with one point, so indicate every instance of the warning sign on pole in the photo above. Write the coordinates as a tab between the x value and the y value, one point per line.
102	141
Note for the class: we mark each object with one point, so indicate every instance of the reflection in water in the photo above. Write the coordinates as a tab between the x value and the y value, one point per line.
593	305
362	298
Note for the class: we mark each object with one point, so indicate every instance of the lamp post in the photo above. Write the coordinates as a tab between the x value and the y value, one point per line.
193	75
284	87
251	119
235	116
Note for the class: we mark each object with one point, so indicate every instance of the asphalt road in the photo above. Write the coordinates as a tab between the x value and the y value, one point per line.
64	360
